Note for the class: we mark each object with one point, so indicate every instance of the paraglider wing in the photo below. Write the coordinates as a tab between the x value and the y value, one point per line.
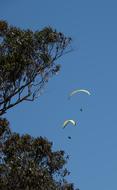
80	90
69	121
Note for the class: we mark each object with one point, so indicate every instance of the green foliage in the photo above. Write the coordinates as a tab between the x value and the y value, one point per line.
27	61
29	163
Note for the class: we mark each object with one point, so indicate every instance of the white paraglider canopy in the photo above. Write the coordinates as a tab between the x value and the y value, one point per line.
80	90
69	121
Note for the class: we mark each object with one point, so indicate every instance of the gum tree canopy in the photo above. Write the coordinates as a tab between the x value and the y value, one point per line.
28	163
27	61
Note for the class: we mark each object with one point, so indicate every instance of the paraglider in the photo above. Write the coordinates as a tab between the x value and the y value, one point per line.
69	121
81	109
69	137
79	90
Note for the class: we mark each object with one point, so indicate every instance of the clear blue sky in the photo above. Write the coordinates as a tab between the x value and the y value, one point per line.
93	65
